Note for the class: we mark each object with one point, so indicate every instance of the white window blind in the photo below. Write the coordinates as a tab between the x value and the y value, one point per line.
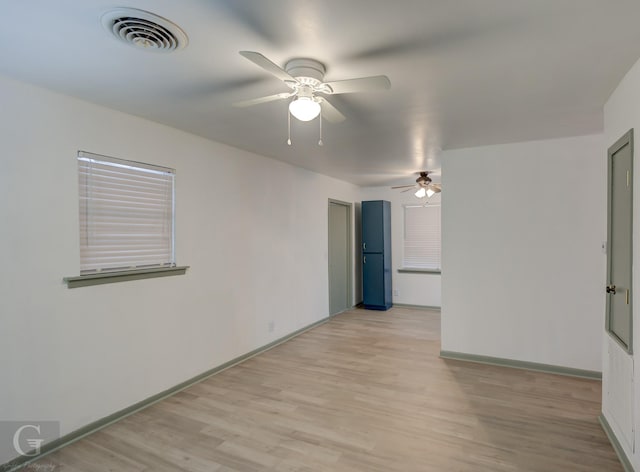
422	239
126	214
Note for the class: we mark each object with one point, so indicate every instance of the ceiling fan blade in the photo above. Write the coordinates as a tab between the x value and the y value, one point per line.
274	69
383	51
403	186
406	190
440	38
363	84
257	101
233	84
257	20
331	113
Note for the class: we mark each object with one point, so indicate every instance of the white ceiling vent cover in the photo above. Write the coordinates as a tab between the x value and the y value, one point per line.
144	30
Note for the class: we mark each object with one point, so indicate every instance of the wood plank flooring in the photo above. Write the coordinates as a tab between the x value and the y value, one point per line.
363	392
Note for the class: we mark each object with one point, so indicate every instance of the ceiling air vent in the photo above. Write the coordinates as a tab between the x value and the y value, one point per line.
144	30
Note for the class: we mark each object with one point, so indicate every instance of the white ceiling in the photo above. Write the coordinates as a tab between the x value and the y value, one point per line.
463	72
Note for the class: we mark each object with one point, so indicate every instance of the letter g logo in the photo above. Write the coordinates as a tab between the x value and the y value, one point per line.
32	443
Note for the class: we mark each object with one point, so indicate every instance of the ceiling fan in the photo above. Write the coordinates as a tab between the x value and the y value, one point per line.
424	185
305	78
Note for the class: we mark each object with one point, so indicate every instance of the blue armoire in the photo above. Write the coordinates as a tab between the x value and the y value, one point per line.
376	254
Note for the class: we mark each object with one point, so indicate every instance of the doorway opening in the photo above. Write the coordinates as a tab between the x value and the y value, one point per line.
340	255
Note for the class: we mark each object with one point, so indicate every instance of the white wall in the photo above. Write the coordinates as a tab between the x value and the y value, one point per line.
258	253
411	288
523	268
621	113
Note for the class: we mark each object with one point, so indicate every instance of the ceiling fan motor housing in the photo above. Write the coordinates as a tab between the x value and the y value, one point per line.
303	68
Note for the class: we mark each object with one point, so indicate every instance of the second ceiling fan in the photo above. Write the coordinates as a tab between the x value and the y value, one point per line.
305	78
424	185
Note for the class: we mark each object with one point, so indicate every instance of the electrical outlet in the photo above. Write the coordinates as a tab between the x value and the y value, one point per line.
272	326
395	293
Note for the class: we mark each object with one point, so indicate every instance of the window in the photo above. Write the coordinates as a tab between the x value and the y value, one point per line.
126	215
422	237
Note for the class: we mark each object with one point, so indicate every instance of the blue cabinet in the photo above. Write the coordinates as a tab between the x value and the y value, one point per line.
376	254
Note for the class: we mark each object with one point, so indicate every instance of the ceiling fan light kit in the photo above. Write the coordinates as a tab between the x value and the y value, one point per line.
421	192
304	108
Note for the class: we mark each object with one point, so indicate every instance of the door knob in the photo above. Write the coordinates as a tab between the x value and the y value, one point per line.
611	289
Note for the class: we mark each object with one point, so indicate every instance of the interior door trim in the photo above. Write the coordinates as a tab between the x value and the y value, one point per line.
625	140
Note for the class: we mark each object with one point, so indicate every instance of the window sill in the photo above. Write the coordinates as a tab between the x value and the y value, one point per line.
123	276
410	270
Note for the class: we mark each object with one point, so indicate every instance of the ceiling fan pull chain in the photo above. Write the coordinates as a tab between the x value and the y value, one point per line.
289	126
320	143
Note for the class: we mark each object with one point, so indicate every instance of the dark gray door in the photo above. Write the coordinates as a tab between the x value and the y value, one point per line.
339	254
373	279
372	225
619	226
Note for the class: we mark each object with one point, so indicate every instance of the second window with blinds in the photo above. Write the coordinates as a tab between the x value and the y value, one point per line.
422	239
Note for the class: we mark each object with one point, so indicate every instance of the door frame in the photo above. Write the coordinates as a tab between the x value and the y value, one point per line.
625	140
349	207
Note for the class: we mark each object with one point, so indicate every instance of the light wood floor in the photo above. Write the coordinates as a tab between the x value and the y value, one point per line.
365	392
